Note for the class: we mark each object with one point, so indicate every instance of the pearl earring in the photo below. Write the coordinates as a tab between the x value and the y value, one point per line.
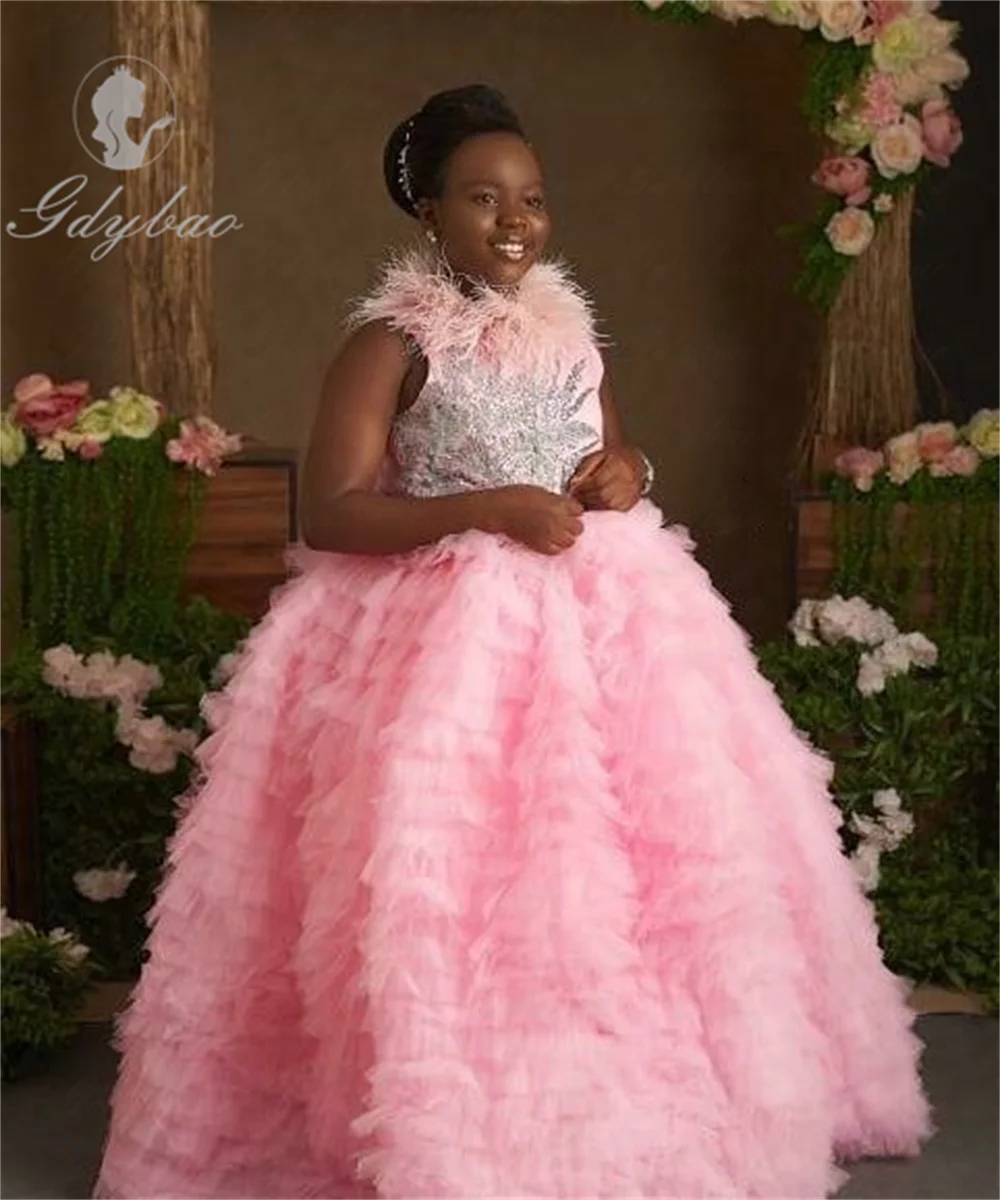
431	236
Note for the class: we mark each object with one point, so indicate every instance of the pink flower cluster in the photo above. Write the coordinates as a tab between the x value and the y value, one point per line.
43	408
125	682
201	445
940	448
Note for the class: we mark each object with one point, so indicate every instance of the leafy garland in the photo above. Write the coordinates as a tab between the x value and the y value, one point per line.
916	520
877	73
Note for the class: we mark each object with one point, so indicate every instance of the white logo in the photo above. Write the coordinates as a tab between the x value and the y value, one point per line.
108	98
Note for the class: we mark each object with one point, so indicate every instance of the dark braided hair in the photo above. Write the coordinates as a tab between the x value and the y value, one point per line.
419	148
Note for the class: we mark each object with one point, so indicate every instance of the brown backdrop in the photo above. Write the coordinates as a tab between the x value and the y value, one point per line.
673	155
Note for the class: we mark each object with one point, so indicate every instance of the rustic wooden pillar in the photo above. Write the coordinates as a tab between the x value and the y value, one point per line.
169	280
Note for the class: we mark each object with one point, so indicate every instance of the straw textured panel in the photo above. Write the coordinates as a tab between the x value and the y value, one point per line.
169	278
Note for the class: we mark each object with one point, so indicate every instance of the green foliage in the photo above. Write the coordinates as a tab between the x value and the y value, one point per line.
931	735
948	542
43	990
833	71
96	808
102	544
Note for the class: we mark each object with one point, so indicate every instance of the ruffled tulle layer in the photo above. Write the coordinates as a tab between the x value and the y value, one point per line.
509	876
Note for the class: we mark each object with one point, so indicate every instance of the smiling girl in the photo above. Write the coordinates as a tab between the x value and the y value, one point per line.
508	875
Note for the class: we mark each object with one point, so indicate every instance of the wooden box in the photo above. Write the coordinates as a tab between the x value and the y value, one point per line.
245	527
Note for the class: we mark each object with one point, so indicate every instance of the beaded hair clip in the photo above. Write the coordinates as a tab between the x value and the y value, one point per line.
403	165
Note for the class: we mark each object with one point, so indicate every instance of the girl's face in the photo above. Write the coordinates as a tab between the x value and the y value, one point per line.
490	221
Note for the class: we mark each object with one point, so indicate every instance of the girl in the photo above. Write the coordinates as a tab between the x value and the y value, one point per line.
508	874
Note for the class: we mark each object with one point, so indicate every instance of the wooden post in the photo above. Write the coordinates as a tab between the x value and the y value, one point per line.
168	278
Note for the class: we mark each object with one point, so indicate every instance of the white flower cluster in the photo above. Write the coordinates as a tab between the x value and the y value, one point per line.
101	884
74	949
153	745
838	619
879	835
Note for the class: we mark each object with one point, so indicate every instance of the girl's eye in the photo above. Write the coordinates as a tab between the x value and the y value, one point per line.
485	198
537	202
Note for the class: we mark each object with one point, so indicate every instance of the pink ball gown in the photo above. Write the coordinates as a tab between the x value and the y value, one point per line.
507	875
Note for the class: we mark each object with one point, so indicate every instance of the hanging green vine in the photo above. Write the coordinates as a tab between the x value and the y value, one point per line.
925	550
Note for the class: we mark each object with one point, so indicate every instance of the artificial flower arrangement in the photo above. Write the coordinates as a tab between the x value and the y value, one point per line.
879	79
44	981
105	492
914	522
939	448
909	722
111	661
54	420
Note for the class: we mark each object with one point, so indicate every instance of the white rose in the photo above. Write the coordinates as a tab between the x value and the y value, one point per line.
13	443
840	19
803	14
99	884
871	676
802	624
851	230
894	656
865	863
922	651
898	149
739	10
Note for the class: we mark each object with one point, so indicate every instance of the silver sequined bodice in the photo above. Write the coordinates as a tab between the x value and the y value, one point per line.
474	426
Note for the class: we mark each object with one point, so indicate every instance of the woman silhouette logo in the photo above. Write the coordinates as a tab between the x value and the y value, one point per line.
119	98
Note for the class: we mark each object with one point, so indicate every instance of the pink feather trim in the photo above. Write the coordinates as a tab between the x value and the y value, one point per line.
525	330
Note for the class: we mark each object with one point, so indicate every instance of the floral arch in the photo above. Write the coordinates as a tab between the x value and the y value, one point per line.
878	81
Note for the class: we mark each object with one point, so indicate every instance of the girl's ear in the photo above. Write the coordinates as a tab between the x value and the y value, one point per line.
427	216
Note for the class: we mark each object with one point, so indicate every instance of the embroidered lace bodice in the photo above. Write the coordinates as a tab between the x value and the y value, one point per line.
474	427
512	388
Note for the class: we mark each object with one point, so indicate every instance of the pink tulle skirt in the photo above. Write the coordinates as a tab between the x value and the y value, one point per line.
509	876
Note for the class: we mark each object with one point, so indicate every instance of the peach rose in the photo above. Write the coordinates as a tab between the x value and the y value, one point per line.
850	231
942	132
903	457
960	460
845	175
841	19
935	440
898	149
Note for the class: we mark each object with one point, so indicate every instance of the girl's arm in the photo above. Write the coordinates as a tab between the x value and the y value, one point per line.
612	477
342	511
340	508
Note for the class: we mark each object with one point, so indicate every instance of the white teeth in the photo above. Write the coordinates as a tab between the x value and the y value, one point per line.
513	248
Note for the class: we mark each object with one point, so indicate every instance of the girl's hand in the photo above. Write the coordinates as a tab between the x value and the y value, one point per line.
610	479
541	520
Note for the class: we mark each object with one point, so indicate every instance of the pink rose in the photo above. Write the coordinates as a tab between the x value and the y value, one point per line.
880	105
844	175
860	465
960	460
942	132
882	12
43	408
90	448
935	440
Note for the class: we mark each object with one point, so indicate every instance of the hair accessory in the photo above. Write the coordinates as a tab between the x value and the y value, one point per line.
403	164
